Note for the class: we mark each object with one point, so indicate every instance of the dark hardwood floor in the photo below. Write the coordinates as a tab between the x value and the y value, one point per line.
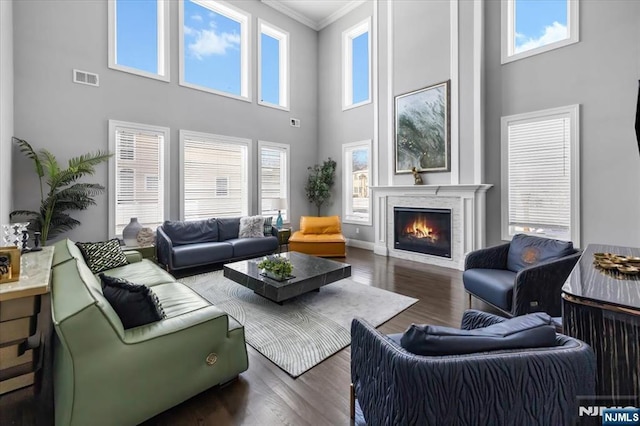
264	394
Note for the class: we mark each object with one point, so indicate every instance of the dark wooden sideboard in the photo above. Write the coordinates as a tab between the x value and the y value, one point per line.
602	308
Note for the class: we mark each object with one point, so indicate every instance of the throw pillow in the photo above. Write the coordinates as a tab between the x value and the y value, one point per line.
529	250
103	255
268	231
526	331
251	227
135	304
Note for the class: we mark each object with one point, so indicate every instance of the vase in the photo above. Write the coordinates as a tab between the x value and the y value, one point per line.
274	276
130	233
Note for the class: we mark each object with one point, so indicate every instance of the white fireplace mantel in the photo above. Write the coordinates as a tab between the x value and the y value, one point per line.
467	204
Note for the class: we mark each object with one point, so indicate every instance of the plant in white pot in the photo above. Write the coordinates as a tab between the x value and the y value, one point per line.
276	267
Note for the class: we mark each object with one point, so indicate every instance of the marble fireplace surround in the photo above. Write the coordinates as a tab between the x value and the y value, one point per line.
467	204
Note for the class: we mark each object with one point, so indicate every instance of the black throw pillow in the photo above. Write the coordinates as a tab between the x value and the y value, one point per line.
527	331
135	304
103	255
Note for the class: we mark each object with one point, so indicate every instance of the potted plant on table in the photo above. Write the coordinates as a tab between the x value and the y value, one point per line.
276	267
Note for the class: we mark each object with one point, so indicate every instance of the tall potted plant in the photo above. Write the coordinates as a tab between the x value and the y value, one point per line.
64	192
320	181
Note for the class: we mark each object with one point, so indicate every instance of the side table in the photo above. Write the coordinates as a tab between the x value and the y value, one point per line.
147	252
21	335
283	238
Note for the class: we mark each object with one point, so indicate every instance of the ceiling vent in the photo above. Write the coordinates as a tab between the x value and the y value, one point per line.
84	77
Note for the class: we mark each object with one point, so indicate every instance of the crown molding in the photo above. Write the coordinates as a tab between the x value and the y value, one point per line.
315	25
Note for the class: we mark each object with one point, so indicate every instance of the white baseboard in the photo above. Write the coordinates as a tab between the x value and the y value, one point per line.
367	245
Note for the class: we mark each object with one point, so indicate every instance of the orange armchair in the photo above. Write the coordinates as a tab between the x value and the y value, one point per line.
319	236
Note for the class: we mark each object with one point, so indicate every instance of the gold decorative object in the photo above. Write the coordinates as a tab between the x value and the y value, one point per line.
9	264
617	263
212	358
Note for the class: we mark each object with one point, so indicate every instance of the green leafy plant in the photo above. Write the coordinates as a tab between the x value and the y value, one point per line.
320	181
277	265
64	192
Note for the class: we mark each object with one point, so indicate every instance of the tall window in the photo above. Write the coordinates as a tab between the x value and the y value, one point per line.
356	65
137	175
357	167
139	37
540	174
273	74
274	178
530	27
214	176
214	48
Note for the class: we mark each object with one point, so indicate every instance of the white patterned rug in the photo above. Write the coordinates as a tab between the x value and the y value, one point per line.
305	330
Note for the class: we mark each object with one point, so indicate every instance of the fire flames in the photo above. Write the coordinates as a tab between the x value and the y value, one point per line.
420	228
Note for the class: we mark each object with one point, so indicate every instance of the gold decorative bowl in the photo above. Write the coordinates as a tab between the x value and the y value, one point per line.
628	270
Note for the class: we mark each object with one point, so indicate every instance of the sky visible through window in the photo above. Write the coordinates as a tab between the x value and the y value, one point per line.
137	34
211	49
360	68
539	22
270	83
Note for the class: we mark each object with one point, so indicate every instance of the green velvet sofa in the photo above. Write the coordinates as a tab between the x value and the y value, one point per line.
106	375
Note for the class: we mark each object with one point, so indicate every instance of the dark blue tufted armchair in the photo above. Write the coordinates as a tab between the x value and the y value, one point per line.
512	387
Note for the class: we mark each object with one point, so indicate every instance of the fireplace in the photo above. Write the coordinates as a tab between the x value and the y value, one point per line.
423	230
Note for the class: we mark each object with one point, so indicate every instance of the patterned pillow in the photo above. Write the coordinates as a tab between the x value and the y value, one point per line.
135	304
103	255
251	227
268	226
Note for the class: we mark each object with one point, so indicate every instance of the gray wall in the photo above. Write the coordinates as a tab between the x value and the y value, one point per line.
53	37
6	107
601	74
339	127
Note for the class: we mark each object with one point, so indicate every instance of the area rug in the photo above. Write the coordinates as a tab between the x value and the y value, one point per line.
303	331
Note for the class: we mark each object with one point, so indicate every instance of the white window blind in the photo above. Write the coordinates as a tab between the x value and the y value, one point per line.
139	161
214	176
540	173
357	165
274	178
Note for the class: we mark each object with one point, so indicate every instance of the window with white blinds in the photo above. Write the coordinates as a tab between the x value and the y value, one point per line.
137	175
214	176
540	174
274	179
356	204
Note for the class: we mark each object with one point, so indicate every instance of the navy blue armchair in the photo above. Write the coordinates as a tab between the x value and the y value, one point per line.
509	387
521	277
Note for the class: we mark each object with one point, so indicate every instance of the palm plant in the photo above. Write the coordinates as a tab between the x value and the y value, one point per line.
65	193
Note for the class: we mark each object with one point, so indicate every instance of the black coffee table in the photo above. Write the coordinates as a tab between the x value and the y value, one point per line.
310	273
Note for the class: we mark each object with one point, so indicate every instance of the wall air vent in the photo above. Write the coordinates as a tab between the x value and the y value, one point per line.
84	77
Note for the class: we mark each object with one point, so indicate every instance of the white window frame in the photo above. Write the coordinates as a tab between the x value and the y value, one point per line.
347	184
347	63
113	126
573	113
231	12
186	134
283	64
163	43
287	149
508	22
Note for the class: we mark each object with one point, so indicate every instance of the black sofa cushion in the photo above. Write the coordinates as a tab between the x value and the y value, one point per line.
103	255
228	228
527	331
528	250
135	304
188	232
491	285
201	254
251	247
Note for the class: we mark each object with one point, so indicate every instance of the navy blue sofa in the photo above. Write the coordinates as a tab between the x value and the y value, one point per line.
522	387
188	244
521	277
